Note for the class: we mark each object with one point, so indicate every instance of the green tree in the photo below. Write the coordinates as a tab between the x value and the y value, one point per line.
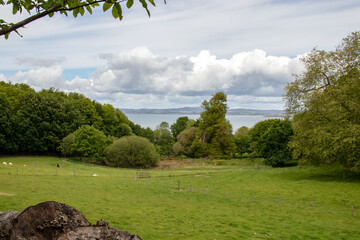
179	126
242	140
271	141
325	101
49	8
184	142
215	138
163	139
66	145
88	142
132	151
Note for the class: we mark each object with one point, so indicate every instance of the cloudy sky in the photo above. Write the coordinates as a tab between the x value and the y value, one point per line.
187	51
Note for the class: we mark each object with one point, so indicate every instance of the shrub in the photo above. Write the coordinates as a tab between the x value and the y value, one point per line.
132	151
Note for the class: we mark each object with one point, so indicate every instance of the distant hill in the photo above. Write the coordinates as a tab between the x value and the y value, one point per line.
198	110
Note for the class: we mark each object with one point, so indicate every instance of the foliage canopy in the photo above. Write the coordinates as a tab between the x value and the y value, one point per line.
325	99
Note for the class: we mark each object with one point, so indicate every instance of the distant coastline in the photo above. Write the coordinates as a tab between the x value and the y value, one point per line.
198	110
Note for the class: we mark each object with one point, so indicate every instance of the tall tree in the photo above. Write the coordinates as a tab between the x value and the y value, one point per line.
215	138
325	99
179	126
163	139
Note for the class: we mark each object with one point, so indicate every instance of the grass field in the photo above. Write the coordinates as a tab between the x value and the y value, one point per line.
235	201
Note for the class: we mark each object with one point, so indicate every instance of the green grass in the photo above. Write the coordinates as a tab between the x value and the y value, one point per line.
242	201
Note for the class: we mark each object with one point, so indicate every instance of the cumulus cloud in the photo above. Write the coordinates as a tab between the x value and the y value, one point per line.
142	79
248	73
43	77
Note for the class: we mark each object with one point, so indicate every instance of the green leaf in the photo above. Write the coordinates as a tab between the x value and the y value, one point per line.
94	5
152	2
51	14
106	6
15	8
115	12
144	4
81	11
129	3
7	35
118	8
88	8
75	12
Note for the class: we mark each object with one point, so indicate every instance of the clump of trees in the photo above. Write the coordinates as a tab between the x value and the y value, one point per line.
325	102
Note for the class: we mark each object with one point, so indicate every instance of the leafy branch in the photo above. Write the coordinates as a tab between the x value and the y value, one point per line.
50	7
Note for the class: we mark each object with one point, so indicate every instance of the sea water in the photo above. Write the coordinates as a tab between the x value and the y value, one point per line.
154	120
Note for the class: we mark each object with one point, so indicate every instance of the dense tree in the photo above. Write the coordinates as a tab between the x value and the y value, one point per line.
132	151
163	139
38	121
40	8
270	139
242	140
88	142
215	138
179	126
184	142
325	99
66	145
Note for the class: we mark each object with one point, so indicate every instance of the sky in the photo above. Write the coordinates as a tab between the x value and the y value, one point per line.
182	55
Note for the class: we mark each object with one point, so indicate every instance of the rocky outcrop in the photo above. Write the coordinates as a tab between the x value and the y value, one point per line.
55	221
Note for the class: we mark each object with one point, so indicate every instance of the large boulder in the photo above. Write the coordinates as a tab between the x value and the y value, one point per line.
55	221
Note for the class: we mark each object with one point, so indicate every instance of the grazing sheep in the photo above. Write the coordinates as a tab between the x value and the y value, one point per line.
94	175
24	165
10	163
4	163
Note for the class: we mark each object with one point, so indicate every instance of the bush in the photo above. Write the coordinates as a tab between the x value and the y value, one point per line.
132	151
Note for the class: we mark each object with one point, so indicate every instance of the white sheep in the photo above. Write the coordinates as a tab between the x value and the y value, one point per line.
10	163
94	175
4	163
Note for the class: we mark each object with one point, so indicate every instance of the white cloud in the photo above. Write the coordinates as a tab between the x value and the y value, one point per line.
43	77
138	78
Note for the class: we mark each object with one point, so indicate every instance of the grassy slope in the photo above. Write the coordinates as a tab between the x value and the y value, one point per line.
241	202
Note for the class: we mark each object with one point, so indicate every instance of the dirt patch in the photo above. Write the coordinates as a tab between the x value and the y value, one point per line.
169	163
7	194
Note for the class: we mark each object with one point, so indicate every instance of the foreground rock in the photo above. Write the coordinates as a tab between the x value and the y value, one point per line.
55	221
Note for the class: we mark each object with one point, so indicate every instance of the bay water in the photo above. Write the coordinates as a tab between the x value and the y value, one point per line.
154	120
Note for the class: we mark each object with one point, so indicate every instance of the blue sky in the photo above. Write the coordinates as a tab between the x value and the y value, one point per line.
184	53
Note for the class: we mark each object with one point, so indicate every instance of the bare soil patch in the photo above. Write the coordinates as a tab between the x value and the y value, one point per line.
7	194
169	163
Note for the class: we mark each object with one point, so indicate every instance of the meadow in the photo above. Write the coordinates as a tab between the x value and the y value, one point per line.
238	200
